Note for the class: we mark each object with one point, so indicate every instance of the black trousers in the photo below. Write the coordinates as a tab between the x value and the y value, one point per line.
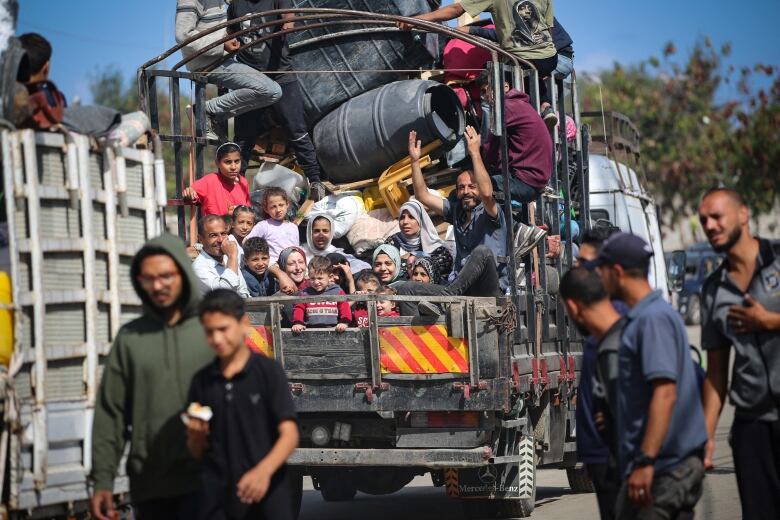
477	277
289	113
607	485
756	449
218	501
183	507
545	66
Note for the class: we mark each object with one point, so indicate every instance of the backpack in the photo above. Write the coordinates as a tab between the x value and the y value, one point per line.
47	105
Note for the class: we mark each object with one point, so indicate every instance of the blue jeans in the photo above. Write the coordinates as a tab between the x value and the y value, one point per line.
249	90
564	68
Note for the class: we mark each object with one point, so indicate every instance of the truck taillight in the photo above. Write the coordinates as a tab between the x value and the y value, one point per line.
445	419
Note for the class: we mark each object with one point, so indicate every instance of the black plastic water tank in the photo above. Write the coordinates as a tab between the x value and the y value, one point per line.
352	48
370	132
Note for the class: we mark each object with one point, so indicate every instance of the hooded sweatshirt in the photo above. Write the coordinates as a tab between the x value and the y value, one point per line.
530	144
355	265
144	389
194	17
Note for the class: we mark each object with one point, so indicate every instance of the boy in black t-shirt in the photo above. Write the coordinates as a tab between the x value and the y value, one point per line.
253	429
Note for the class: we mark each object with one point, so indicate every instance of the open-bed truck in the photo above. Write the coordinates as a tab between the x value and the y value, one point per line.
480	396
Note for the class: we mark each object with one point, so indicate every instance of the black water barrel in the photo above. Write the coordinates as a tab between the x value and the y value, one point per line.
352	48
370	132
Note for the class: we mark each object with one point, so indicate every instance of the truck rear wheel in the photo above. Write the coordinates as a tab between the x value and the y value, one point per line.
382	481
483	509
336	485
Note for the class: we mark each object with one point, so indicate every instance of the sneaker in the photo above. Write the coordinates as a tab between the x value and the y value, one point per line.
527	238
317	191
550	118
428	309
215	130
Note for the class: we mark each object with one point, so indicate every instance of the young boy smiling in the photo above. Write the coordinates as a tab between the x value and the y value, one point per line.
321	313
253	429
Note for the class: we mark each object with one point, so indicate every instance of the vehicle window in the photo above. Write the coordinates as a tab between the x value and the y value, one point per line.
599	214
710	264
690	269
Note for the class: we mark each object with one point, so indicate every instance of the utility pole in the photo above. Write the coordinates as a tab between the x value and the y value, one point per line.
11	55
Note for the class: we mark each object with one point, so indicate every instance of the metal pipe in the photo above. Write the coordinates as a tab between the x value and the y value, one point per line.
120	171
161	192
323	13
72	169
40	422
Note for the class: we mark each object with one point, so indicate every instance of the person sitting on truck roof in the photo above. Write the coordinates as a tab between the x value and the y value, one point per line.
253	429
143	390
387	263
258	279
274	55
249	88
417	238
523	28
47	107
217	264
319	241
219	193
530	148
322	313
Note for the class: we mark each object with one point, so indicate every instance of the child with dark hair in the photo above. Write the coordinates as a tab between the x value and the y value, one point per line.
366	282
321	313
252	430
242	223
342	274
256	259
47	104
276	228
218	193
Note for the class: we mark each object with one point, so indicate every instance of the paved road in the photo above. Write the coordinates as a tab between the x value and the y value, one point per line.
420	500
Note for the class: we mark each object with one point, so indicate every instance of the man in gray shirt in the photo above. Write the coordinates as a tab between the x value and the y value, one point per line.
741	308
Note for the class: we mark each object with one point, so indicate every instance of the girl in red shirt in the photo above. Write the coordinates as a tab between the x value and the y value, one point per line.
218	193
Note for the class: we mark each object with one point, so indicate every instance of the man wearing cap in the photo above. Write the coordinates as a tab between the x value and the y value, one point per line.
661	432
741	308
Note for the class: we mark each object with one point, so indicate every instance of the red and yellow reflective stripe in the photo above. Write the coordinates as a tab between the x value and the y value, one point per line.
421	350
260	340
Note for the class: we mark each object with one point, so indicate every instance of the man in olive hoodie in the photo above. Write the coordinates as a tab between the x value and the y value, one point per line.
144	388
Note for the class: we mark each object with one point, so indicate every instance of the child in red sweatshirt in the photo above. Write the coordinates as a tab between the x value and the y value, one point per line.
321	313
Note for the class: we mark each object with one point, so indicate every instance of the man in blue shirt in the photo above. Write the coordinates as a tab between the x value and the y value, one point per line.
661	431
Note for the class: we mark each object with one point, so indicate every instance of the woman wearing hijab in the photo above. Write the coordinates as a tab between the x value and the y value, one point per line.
418	238
424	271
319	238
292	260
387	263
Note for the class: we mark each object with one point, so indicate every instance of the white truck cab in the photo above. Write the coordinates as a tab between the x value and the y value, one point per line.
617	193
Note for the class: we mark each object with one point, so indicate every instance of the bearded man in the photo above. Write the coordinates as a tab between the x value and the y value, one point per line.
741	308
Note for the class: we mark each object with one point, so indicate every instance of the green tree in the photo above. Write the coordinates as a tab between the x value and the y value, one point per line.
692	139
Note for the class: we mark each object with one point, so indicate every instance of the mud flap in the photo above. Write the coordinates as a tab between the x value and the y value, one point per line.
514	479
